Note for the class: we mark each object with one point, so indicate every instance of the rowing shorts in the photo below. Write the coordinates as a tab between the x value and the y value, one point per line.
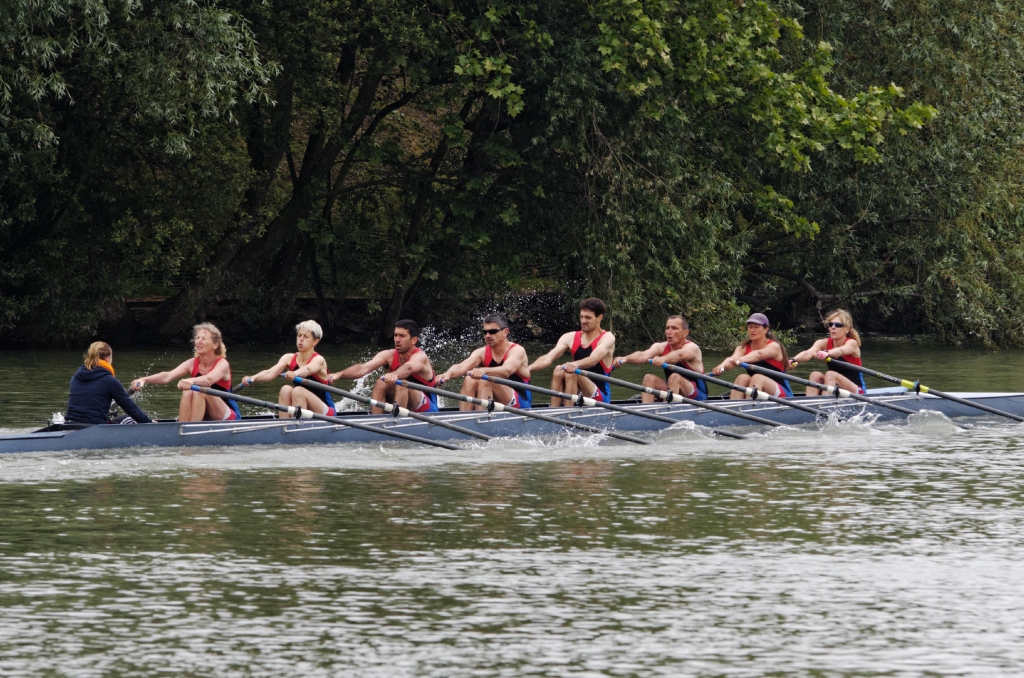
598	395
428	404
697	394
519	402
782	390
327	410
230	415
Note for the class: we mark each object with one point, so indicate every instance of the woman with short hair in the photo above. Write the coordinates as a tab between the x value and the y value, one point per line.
93	386
208	367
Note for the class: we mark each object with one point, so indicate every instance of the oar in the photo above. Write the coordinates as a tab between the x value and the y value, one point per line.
389	408
239	386
748	390
671	397
916	386
306	414
590	402
498	407
831	390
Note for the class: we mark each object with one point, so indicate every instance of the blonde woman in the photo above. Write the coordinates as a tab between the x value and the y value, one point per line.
843	347
93	387
208	367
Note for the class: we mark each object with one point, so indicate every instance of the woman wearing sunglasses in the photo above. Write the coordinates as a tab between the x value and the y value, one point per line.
843	347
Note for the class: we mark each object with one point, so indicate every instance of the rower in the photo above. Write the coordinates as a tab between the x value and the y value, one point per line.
513	365
762	349
405	361
591	348
678	350
843	346
208	367
93	387
305	363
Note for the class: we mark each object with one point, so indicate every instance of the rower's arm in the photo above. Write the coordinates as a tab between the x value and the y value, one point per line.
849	348
312	367
182	370
414	365
728	363
772	351
515	361
130	407
475	359
362	369
604	349
640	357
689	354
271	373
563	345
803	356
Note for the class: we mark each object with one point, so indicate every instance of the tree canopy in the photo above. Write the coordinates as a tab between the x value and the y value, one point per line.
701	156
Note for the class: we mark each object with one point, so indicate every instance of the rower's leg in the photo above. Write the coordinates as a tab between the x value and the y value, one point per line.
677	383
560	382
818	378
655	382
383	392
307	400
470	387
767	385
501	394
836	379
742	380
186	406
584	386
212	409
284	397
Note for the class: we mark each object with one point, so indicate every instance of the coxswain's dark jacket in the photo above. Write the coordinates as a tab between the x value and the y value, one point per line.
91	393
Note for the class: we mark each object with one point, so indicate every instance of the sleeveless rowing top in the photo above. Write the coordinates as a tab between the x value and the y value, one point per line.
778	366
525	396
222	385
322	395
702	387
836	365
396	362
579	352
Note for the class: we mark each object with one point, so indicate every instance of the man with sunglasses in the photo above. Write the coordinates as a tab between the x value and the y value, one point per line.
499	358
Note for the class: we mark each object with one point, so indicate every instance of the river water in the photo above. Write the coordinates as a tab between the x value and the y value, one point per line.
856	549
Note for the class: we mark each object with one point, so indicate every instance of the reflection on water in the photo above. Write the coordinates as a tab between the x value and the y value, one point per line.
854	550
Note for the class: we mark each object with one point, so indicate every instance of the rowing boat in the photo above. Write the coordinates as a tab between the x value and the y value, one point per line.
267	430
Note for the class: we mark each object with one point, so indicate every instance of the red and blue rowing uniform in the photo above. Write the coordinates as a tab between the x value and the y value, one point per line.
429	402
836	365
785	390
701	387
522	400
322	395
222	385
579	352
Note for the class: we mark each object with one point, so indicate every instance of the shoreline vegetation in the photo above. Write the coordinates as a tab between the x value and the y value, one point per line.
167	162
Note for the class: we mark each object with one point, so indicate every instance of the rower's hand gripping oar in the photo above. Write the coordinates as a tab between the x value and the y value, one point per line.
389	408
300	413
917	387
831	390
670	397
498	407
579	399
748	390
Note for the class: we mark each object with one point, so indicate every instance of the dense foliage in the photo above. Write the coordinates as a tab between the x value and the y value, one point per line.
702	156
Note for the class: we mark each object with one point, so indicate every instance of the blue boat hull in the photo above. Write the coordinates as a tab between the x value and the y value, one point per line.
279	432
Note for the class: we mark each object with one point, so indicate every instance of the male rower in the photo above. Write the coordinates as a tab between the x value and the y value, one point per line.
405	361
305	363
678	350
591	348
513	365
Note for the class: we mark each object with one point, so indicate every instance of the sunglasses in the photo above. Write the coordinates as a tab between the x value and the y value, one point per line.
834	324
493	331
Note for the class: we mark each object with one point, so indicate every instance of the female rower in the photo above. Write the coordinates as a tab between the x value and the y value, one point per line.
94	386
207	368
843	347
761	349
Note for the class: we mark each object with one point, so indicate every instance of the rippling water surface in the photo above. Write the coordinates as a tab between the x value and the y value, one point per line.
856	549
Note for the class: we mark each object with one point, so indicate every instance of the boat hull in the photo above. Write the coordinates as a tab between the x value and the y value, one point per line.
281	432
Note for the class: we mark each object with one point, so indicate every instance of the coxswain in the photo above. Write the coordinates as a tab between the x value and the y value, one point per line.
405	361
843	347
512	365
305	363
762	349
208	367
94	385
678	350
591	348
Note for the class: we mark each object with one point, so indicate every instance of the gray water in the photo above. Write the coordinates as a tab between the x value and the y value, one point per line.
854	549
